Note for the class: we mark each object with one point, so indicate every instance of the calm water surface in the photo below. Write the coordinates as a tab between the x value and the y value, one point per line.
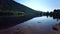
37	25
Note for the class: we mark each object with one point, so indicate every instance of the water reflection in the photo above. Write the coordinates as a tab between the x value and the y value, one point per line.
55	17
37	25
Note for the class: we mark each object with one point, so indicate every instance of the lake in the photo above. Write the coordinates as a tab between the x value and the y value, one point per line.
37	25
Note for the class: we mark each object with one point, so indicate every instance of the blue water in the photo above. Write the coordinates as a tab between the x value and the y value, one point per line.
39	25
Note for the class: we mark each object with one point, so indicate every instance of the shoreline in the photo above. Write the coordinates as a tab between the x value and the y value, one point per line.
56	29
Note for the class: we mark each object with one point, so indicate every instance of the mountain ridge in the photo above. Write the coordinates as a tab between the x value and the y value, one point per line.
12	5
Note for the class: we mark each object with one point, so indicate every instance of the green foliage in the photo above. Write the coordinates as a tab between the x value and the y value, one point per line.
14	13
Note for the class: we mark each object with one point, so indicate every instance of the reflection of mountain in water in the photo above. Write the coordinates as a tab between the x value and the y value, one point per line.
55	14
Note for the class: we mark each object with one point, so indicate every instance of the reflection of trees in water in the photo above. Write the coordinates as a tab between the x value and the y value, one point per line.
58	18
55	14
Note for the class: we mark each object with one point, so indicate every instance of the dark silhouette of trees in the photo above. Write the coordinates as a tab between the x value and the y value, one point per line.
55	13
47	13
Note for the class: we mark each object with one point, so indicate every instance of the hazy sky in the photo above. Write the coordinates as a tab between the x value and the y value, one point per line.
42	5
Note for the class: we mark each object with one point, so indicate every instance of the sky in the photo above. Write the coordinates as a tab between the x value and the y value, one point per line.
41	5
